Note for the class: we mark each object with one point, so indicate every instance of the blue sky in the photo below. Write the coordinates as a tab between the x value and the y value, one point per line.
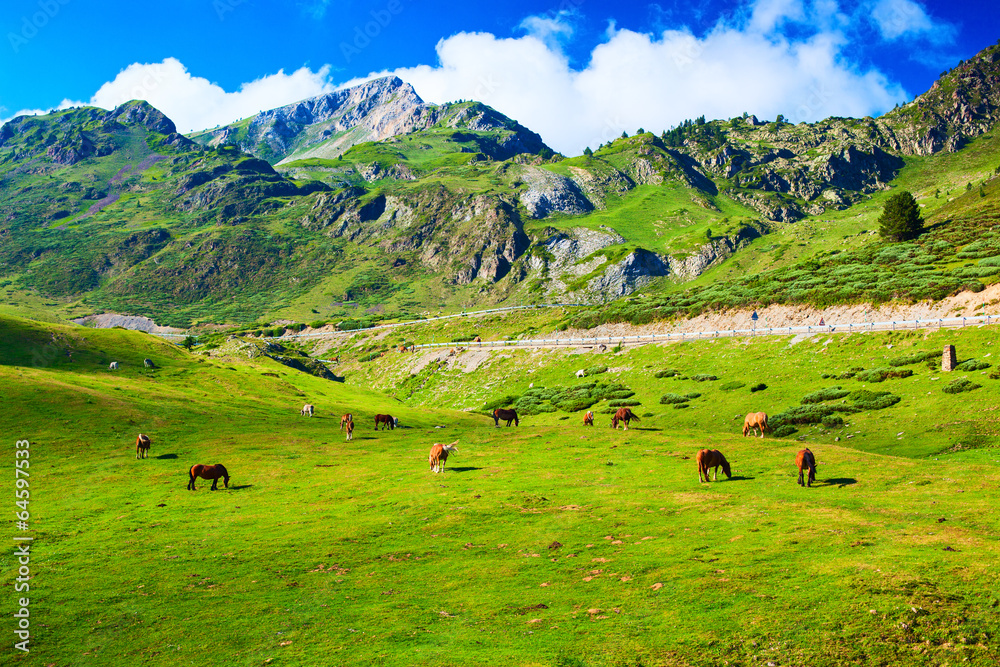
577	71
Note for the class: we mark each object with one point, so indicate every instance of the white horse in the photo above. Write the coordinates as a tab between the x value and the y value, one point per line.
113	366
307	410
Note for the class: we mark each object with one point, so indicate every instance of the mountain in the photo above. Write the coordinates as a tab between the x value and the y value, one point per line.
327	125
460	205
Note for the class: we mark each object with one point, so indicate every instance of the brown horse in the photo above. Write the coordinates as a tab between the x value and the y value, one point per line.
350	430
208	472
142	447
806	460
588	418
386	421
344	419
508	415
712	458
755	420
439	455
623	415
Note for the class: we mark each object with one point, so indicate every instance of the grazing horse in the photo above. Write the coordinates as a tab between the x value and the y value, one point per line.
623	415
350	430
113	366
712	458
208	472
386	421
439	455
806	460
755	420
142	447
307	410
588	418
507	415
344	420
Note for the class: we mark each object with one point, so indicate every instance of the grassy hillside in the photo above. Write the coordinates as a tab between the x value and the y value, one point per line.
546	544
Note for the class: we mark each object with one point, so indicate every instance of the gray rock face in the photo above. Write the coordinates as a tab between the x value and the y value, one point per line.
622	278
549	193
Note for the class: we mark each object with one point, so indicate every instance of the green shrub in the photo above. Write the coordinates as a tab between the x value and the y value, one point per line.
864	399
703	378
674	399
758	387
618	393
882	374
317	324
692	396
801	414
972	365
730	386
647	414
914	358
595	370
833	421
995	375
501	402
829	394
678	406
784	431
669	373
960	385
623	404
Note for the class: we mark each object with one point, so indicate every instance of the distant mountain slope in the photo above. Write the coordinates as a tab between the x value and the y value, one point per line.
113	210
327	125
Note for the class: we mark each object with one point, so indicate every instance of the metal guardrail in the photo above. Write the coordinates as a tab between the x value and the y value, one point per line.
852	327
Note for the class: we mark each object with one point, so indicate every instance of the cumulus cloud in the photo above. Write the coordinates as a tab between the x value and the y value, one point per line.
195	103
637	80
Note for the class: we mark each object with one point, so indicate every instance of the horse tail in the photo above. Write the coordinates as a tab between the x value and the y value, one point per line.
634	416
191	477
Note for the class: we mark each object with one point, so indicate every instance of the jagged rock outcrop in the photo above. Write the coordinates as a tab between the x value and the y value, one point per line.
548	193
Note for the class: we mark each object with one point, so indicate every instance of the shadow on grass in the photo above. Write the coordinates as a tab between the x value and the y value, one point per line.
740	478
167	456
465	469
241	486
839	481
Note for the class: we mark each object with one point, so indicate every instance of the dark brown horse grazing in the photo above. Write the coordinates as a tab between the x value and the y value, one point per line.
806	460
439	455
711	458
142	447
588	418
508	415
623	415
386	421
208	472
344	419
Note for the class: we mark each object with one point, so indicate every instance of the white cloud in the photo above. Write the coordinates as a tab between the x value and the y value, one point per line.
550	29
656	81
195	103
895	18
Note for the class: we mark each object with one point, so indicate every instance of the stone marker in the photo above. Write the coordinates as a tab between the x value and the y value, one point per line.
948	359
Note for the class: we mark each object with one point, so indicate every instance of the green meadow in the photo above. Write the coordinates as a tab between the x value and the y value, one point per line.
544	544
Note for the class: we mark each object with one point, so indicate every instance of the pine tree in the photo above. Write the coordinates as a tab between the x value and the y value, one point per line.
587	151
901	219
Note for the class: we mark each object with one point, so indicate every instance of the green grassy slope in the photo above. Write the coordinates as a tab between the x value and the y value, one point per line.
356	554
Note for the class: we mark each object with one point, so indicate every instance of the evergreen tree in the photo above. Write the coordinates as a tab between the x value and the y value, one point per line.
587	151
901	219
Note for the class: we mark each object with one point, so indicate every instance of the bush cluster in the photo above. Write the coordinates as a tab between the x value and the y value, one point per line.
758	387
972	365
595	370
784	431
668	373
567	399
702	377
828	394
883	374
914	358
730	386
960	385
865	400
